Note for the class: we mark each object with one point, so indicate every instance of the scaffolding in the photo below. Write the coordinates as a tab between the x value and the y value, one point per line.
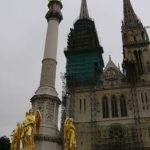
94	128
83	68
132	74
84	55
131	141
83	36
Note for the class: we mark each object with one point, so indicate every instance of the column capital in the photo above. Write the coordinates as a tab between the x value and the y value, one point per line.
54	11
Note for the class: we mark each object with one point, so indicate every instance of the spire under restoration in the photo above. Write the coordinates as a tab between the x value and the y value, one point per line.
84	10
130	17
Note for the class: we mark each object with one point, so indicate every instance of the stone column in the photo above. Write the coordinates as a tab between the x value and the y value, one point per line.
46	99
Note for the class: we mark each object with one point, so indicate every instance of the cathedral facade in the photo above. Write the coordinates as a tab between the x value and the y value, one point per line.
110	107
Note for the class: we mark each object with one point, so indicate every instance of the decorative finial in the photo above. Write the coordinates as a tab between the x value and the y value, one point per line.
54	12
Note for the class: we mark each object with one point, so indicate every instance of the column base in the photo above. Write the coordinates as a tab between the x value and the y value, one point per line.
49	136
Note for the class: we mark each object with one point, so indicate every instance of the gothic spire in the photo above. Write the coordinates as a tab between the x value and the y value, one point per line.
130	17
84	10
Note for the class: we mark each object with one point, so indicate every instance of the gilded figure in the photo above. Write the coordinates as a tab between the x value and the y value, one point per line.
69	134
32	121
25	132
15	137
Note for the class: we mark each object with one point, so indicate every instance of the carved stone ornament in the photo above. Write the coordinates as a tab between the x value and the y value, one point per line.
48	138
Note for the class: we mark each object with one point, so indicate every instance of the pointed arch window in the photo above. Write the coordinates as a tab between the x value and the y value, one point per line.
80	105
105	107
138	56
123	106
140	59
114	107
84	105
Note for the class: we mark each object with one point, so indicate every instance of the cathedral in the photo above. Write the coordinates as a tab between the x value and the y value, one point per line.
110	107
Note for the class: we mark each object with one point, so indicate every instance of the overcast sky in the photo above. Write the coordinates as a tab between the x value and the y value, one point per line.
22	38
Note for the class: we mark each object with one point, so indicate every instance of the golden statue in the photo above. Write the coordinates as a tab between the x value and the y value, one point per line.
69	134
32	121
15	137
25	131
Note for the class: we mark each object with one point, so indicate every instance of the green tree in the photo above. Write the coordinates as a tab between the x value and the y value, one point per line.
4	143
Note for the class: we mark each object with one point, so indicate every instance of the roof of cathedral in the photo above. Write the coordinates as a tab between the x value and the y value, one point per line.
130	17
84	10
111	64
111	71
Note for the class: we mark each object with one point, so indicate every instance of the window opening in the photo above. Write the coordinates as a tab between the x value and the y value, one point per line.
114	107
105	107
123	106
80	105
84	105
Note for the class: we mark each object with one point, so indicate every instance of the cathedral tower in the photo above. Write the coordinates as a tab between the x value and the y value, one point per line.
109	113
136	43
83	53
46	99
84	70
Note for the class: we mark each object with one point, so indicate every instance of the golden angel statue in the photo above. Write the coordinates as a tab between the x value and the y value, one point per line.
15	137
32	121
25	132
69	134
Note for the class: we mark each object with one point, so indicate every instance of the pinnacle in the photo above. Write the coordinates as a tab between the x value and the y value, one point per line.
84	10
130	17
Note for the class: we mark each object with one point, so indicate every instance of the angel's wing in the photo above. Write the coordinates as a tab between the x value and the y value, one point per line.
38	118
